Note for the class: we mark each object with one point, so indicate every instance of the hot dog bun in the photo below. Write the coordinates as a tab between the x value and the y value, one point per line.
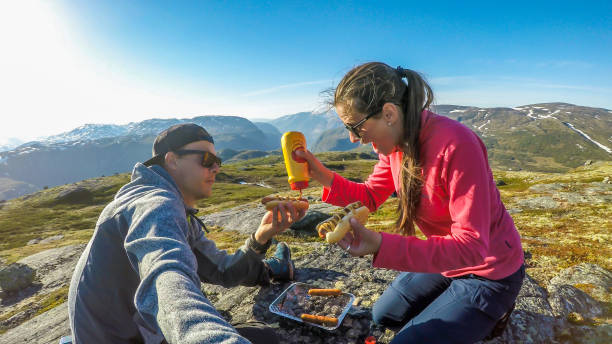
335	228
272	201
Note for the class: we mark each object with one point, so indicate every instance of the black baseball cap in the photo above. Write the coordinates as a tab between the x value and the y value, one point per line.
174	138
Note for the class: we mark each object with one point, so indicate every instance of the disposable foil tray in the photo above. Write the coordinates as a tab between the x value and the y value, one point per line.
299	288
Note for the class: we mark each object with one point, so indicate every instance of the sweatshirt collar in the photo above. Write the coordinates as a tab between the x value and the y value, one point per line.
425	115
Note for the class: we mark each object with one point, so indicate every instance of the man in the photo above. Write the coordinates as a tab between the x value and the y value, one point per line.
138	279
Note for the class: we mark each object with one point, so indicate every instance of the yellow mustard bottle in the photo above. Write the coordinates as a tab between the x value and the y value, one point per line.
297	168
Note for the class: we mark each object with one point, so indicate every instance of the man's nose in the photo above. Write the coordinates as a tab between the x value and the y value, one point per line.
215	168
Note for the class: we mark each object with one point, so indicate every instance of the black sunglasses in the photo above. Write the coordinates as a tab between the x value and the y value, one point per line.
208	158
355	127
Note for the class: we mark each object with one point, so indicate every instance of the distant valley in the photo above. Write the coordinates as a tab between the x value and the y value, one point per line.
552	137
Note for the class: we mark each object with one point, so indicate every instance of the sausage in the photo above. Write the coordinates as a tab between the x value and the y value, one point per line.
319	319
324	292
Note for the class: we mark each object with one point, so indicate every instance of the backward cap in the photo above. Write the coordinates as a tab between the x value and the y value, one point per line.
174	138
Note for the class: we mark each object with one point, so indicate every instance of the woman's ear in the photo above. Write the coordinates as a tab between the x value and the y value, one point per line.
390	113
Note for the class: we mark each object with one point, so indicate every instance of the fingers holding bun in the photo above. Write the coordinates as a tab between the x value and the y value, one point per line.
336	227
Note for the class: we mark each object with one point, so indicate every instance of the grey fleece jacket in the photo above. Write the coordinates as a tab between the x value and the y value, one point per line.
138	279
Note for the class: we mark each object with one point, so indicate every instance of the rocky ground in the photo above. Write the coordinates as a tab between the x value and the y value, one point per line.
566	296
52	270
558	314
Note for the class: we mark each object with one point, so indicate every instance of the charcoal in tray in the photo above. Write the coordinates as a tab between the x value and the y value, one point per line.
297	302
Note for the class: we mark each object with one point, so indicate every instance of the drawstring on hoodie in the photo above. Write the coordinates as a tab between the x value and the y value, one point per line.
192	212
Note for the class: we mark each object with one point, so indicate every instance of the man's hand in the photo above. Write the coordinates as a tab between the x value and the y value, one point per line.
277	221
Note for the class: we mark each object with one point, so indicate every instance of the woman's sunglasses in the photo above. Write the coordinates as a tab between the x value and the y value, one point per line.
355	127
208	158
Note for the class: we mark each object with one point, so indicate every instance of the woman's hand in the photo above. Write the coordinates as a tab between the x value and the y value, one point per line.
277	221
360	241
317	170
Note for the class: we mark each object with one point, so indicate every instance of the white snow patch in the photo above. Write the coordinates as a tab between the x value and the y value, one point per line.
27	150
546	116
479	128
518	109
589	138
453	111
530	114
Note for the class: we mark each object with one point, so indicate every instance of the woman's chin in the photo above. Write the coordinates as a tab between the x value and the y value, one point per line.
375	148
384	150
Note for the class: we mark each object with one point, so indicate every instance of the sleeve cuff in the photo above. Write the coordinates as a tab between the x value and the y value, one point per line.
257	247
393	250
328	191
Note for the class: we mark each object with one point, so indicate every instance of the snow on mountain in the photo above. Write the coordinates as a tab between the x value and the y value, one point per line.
588	137
9	143
88	132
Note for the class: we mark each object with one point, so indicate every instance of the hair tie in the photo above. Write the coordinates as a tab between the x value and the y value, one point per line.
400	72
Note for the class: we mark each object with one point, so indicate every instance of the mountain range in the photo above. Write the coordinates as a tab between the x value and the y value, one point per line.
543	137
549	137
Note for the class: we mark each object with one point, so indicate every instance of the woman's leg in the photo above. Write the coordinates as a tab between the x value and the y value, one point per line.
406	297
465	313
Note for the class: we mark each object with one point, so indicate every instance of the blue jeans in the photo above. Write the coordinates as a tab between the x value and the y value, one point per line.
431	308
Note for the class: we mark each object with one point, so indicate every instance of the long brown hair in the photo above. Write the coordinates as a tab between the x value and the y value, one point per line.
365	89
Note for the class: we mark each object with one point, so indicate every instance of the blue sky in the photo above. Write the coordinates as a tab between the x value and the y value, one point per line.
74	62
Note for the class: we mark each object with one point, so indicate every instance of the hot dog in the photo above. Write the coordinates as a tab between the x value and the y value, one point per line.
272	201
324	292
335	228
319	319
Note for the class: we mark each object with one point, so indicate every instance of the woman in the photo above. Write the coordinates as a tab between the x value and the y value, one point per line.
466	276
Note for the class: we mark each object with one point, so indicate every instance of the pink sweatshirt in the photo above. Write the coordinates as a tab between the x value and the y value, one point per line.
467	227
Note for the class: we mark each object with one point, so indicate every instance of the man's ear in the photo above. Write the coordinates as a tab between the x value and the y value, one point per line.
390	113
170	161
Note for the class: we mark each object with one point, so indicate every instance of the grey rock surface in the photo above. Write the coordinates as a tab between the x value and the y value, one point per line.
246	218
48	327
15	277
565	299
597	279
54	266
53	269
536	319
541	202
75	195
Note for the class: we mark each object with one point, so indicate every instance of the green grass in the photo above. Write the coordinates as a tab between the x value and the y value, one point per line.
53	299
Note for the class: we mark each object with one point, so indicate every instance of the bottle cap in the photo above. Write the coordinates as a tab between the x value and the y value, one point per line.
370	340
299	185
